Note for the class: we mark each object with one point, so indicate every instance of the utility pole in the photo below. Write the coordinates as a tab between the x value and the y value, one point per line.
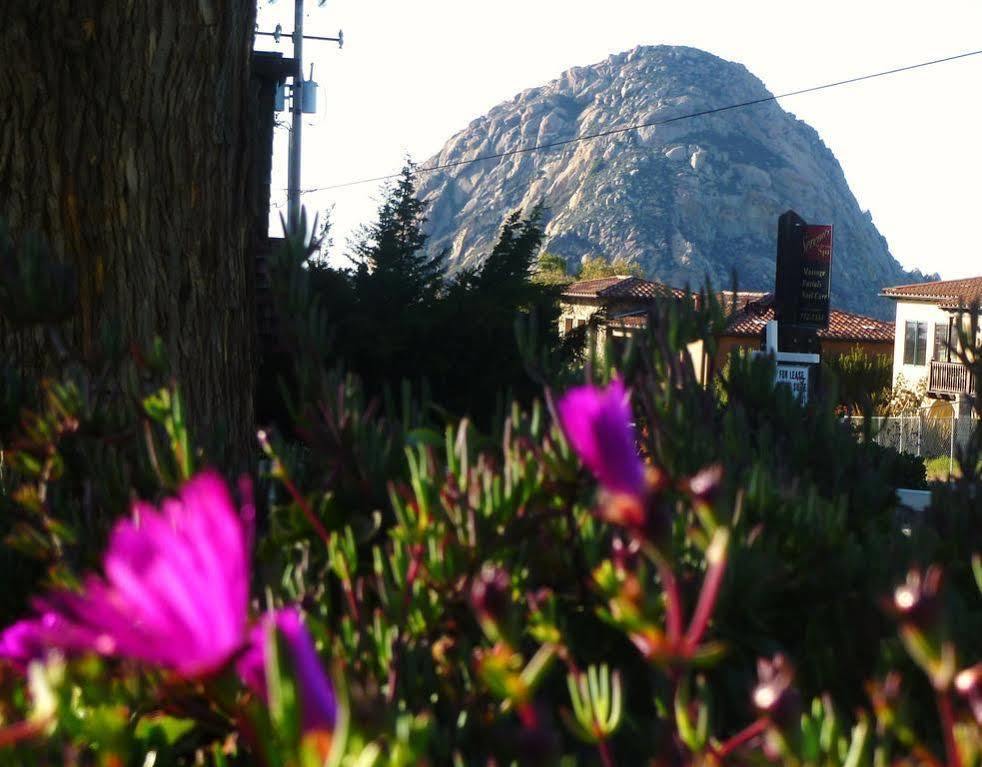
296	132
299	107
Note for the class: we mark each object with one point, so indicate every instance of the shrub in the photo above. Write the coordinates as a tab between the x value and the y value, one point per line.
422	591
862	381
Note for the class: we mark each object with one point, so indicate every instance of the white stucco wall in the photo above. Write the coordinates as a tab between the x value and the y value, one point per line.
915	311
578	311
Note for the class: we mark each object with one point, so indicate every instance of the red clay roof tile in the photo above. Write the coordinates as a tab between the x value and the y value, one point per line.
843	326
621	287
946	293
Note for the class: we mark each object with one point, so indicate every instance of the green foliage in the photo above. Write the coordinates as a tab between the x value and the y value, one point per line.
862	381
397	318
475	596
905	398
550	269
595	267
392	270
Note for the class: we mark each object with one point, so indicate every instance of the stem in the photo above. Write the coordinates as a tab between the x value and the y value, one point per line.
252	736
948	730
393	680
707	596
604	750
412	573
925	756
349	593
527	715
19	731
673	602
284	477
746	734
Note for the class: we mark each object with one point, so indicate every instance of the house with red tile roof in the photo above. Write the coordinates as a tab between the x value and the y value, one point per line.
616	308
845	332
745	330
926	343
611	308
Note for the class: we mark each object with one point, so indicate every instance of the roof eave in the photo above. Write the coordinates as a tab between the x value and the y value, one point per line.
920	299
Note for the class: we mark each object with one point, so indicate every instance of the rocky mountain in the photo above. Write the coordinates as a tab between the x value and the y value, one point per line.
686	199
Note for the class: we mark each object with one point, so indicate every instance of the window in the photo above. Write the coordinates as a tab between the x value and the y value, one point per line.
580	323
941	351
915	343
569	325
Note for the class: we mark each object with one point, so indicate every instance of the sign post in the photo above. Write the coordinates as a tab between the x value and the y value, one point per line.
801	301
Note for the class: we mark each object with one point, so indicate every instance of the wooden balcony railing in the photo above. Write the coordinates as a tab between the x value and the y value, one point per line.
950	378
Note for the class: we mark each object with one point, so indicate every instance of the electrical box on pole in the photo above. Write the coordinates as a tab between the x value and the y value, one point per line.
309	103
304	101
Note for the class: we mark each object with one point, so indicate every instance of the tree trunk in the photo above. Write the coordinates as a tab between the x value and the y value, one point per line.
125	140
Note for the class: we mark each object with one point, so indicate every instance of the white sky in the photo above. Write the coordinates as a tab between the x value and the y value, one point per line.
411	74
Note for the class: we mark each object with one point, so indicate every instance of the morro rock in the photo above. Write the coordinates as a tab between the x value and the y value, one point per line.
686	199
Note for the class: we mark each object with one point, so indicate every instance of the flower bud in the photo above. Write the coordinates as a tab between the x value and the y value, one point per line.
885	695
625	554
491	595
599	426
774	696
917	601
968	683
703	486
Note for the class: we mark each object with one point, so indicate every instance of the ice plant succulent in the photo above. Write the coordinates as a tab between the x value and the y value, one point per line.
23	642
175	592
598	424
318	701
491	598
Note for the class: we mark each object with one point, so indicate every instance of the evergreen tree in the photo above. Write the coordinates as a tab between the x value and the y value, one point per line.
390	260
395	317
481	362
394	288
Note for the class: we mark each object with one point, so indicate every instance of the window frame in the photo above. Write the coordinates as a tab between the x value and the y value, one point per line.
942	348
915	344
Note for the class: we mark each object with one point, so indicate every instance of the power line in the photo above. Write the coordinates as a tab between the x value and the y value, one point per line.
638	126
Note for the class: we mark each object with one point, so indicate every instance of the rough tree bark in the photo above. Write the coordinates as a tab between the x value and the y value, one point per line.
124	139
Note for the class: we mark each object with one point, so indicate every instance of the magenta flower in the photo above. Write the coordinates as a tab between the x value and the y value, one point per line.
23	642
175	592
318	703
597	423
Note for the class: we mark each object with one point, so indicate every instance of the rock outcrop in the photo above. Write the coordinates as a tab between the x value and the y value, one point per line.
687	199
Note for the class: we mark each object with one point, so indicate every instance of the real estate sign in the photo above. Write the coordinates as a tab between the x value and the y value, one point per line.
796	378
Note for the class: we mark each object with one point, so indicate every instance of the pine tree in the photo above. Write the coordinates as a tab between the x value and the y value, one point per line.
395	286
390	259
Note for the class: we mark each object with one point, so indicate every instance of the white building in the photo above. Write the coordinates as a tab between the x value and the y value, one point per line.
926	337
611	309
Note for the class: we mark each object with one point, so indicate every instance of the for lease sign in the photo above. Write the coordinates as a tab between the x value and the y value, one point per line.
795	377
